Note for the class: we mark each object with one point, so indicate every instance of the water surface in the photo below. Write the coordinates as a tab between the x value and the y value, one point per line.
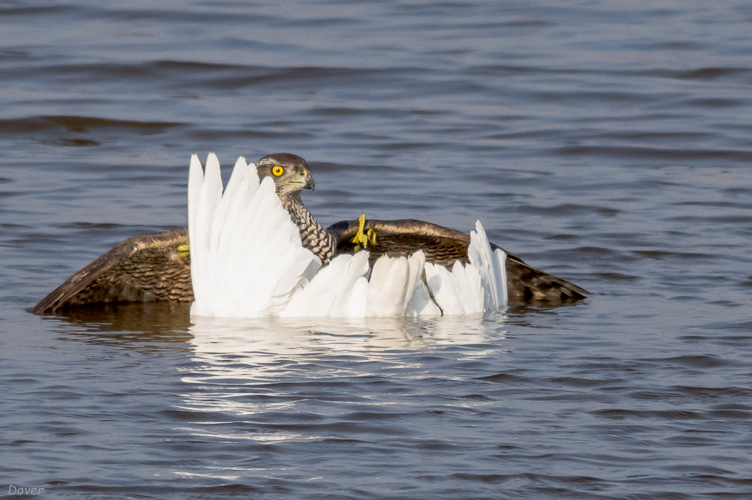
608	143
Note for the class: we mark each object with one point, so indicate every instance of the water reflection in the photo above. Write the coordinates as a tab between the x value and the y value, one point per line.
281	368
370	337
144	327
206	337
272	382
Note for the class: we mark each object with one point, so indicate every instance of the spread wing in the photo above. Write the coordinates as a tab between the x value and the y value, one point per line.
141	268
442	245
145	268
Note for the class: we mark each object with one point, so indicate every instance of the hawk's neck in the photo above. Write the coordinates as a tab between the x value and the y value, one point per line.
314	236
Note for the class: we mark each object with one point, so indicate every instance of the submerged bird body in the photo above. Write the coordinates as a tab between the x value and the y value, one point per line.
151	267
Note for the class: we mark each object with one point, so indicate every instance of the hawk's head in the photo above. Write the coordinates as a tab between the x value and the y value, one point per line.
290	174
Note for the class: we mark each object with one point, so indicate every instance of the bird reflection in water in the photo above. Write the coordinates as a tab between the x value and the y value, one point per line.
266	365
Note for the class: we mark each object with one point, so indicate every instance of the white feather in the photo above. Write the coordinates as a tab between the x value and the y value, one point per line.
421	303
246	254
337	290
456	292
500	259
392	284
441	284
479	286
247	260
489	267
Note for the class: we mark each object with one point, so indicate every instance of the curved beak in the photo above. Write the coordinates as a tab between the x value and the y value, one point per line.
309	182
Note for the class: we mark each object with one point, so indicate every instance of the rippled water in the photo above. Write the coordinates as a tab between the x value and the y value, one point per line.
607	142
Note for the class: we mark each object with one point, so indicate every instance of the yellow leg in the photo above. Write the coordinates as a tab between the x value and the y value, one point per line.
363	240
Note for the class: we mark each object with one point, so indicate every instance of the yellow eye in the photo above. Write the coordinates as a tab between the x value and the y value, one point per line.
277	170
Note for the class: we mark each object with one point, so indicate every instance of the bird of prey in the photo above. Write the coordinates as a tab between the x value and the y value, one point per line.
157	266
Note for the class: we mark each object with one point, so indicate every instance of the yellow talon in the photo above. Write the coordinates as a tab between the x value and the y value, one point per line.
363	240
184	250
360	239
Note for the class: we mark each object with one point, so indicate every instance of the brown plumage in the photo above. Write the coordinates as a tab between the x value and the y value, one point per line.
145	268
139	269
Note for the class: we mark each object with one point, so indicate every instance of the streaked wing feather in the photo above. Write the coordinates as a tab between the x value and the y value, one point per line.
141	268
444	246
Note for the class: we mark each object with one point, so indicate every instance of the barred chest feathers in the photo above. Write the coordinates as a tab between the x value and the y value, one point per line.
314	236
